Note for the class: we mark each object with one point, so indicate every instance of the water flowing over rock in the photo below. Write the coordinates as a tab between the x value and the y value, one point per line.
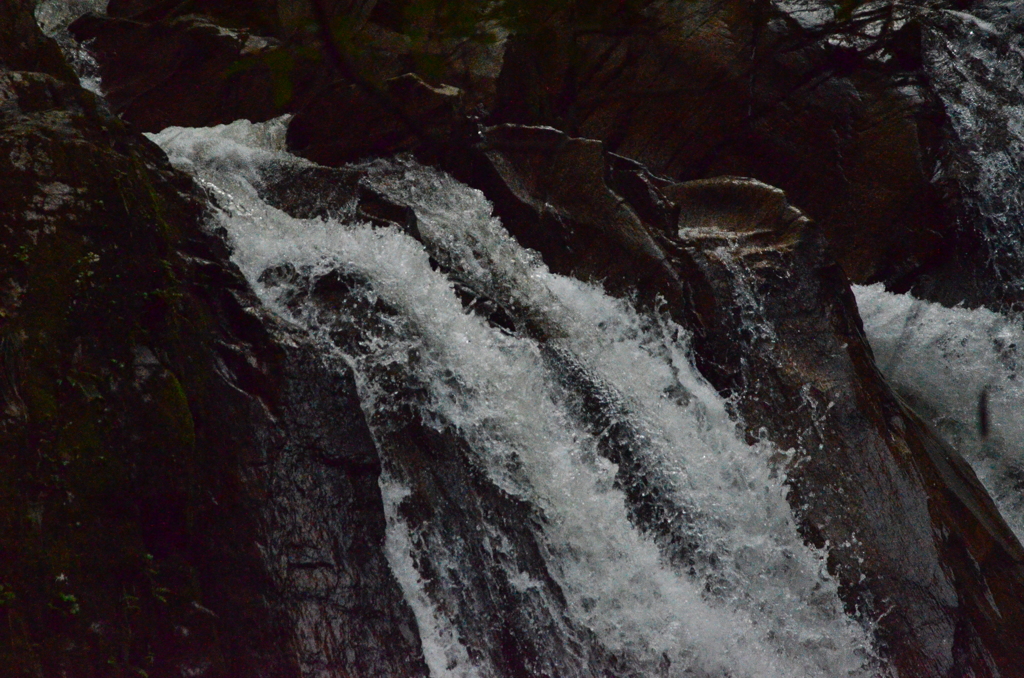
960	368
775	323
513	404
604	476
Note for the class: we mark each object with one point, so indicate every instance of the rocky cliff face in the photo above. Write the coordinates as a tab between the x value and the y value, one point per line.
190	486
690	90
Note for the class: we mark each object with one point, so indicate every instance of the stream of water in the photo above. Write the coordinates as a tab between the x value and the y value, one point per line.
750	599
721	583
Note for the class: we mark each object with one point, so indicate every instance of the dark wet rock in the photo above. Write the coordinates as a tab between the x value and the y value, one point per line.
256	15
917	542
551	192
268	17
114	511
187	64
191	72
973	65
24	48
317	192
699	90
350	123
325	531
287	187
185	488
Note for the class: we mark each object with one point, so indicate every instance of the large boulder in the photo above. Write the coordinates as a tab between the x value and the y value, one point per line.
913	536
190	71
221	61
552	194
24	48
406	114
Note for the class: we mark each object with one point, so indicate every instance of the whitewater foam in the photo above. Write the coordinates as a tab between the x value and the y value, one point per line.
951	364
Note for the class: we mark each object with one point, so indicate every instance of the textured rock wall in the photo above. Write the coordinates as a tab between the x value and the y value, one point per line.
735	88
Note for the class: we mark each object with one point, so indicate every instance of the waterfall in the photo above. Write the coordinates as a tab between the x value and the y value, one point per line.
962	369
563	493
578	413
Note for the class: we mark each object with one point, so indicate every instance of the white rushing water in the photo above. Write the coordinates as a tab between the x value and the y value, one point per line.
942	360
753	601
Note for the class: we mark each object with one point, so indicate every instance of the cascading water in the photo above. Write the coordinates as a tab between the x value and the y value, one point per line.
646	527
962	369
